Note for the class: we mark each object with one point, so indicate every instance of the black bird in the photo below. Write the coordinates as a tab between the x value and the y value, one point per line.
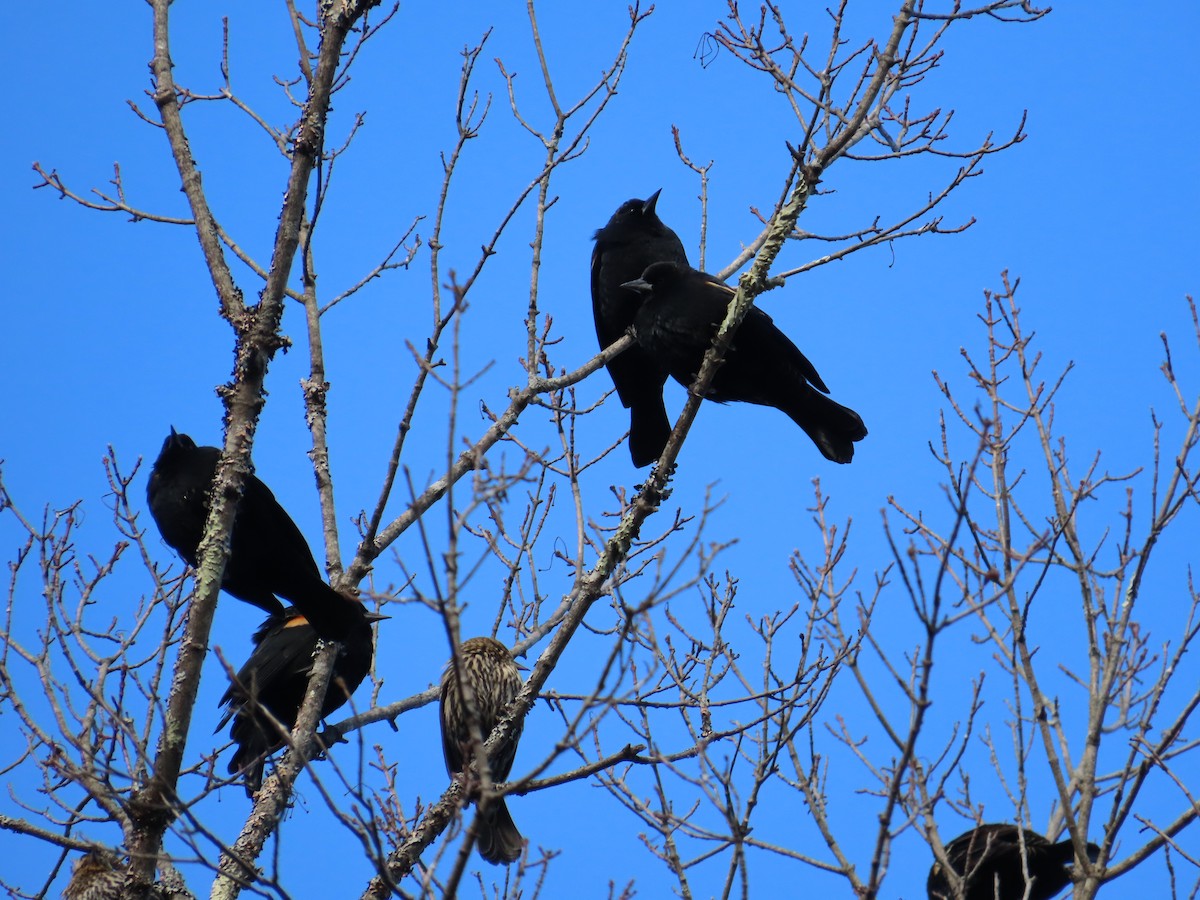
634	238
679	317
493	678
268	555
988	858
274	679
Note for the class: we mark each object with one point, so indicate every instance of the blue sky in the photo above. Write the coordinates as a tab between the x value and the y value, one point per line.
112	334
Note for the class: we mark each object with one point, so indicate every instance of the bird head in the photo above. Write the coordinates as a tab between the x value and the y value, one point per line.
174	448
649	203
633	217
639	285
656	275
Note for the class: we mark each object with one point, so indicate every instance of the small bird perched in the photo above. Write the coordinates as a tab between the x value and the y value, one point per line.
95	876
492	679
989	861
273	682
634	238
682	310
268	555
98	875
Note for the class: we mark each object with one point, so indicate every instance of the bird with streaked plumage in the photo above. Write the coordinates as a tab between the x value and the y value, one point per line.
492	679
95	876
98	875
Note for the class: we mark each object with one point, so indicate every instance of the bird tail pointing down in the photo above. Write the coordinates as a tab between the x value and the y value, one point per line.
499	840
649	429
833	428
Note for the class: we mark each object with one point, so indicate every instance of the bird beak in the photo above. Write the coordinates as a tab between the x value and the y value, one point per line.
176	441
641	285
649	204
376	617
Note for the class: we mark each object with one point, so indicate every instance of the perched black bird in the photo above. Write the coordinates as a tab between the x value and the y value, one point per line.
679	317
268	555
275	678
634	238
988	858
493	678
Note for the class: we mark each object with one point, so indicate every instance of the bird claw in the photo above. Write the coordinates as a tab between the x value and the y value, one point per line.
653	496
330	736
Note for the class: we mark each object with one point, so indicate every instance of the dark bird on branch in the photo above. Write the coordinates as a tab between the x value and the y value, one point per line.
989	860
268	556
270	687
634	238
681	311
491	678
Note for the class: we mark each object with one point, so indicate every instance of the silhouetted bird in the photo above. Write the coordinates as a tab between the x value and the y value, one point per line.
676	324
268	555
989	860
634	238
493	678
275	678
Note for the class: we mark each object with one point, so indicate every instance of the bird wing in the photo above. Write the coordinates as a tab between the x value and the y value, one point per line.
282	651
451	748
263	519
602	303
760	331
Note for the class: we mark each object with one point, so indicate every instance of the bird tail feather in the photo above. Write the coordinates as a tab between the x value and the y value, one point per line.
649	430
333	615
499	840
832	427
250	760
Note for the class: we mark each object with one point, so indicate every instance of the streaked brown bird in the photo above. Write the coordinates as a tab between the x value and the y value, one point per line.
633	238
98	875
95	876
268	556
273	682
989	860
492	679
681	311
